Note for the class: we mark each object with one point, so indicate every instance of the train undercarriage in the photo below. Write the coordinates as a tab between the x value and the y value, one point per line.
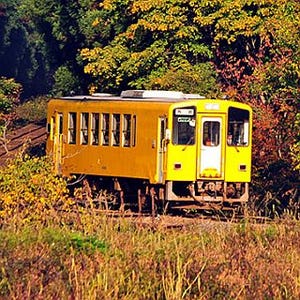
141	196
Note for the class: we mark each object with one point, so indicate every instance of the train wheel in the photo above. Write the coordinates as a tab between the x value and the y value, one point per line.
153	198
141	201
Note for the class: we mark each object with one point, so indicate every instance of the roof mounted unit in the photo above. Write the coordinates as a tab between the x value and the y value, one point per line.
146	94
102	95
193	96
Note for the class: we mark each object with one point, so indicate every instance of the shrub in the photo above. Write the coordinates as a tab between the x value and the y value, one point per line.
29	189
33	110
65	81
9	94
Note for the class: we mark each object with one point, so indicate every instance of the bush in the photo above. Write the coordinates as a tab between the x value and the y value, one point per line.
29	189
65	82
33	110
9	94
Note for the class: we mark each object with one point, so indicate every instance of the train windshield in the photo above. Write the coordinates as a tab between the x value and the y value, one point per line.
238	127
184	123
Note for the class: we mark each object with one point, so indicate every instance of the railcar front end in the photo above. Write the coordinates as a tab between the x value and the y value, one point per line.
208	157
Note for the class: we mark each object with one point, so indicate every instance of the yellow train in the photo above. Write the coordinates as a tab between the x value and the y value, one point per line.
165	146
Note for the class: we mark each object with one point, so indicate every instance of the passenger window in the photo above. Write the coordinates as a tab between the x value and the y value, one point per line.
60	123
105	130
238	127
84	128
72	128
95	129
133	131
116	130
126	130
211	133
184	126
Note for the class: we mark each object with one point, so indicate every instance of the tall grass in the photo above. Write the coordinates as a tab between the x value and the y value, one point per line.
52	249
108	258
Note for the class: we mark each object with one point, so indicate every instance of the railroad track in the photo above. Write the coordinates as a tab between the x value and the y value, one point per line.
32	135
178	221
174	218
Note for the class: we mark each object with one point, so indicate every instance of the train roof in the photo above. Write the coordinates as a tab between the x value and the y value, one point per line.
155	97
137	96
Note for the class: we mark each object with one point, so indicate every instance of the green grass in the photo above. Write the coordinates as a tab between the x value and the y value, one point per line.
107	258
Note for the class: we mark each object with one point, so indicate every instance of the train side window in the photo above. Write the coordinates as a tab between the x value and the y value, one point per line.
105	129
238	127
133	132
116	129
126	130
211	133
184	126
72	128
60	123
95	129
84	138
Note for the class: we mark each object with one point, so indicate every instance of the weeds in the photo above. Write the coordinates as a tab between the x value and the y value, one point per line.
52	249
137	264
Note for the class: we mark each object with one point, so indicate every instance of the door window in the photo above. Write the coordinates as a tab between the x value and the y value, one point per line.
60	123
211	133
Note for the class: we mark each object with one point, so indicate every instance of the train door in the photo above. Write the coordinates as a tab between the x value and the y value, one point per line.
161	149
57	129
210	145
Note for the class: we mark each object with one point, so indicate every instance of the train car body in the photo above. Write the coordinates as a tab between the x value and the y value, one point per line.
173	146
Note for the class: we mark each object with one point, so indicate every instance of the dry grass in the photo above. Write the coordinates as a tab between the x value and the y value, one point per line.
94	257
50	249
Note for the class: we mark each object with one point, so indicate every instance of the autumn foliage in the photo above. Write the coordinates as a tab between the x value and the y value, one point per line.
253	47
30	191
245	50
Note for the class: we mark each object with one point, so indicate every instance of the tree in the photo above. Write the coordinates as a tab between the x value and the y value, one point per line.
151	46
37	39
22	53
9	98
57	23
253	46
257	58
